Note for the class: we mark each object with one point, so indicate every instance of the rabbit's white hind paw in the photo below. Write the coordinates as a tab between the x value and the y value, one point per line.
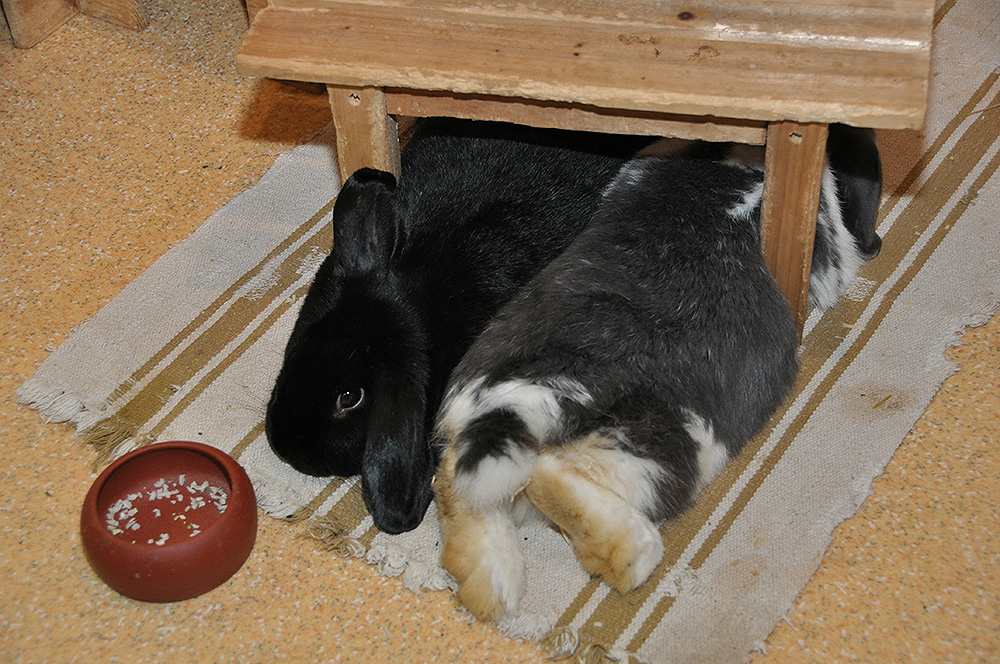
482	553
624	556
611	538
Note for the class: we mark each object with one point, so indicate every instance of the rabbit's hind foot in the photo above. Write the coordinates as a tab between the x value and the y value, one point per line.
480	550
611	537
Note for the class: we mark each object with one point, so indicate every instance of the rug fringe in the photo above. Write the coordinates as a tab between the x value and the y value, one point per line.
563	643
393	560
275	503
389	559
980	312
301	515
105	434
560	643
110	434
977	313
528	626
53	404
329	539
592	654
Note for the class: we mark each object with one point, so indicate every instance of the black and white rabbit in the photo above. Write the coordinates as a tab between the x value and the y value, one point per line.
851	191
620	381
416	271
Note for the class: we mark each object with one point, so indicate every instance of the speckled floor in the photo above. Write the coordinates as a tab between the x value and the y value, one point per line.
114	146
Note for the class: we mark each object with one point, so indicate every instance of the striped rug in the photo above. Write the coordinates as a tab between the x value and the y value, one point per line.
189	351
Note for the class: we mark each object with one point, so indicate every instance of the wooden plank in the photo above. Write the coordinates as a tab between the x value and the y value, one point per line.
564	115
777	69
793	172
254	7
366	134
31	21
879	24
126	13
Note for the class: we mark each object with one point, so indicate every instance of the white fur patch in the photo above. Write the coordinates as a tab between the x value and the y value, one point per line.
630	175
631	478
458	408
496	479
749	201
712	455
490	561
504	560
649	548
536	403
826	286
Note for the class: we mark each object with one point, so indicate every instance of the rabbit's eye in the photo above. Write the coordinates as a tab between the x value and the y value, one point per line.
350	399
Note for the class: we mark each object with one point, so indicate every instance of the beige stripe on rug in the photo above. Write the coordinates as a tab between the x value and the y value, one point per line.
189	351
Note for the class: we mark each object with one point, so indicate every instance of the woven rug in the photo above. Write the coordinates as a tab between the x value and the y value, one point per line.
189	351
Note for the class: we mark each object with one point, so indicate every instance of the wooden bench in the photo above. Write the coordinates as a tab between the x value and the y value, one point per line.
774	73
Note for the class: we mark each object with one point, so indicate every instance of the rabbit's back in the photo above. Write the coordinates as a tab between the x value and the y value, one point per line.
667	293
618	383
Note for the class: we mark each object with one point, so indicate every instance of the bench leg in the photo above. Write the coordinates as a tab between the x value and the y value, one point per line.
366	133
793	172
31	21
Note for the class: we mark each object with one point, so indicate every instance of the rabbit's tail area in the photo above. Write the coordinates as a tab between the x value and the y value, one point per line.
604	487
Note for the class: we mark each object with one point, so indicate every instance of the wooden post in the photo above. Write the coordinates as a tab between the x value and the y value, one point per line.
31	21
793	173
126	13
254	7
366	134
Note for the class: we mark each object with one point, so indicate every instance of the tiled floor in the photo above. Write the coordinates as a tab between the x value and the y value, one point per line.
115	146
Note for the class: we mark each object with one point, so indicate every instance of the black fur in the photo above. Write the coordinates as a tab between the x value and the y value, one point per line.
493	434
853	155
416	271
663	306
630	370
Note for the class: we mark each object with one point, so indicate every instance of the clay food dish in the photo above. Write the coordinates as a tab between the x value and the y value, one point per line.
169	521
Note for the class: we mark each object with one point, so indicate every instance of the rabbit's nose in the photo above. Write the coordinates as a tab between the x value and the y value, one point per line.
873	250
397	521
396	507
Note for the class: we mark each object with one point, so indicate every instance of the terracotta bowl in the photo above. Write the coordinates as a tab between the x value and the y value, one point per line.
169	521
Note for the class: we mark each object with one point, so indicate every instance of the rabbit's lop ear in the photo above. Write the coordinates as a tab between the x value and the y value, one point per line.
364	228
398	463
854	159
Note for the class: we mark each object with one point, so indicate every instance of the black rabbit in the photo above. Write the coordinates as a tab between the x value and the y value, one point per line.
626	374
417	269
